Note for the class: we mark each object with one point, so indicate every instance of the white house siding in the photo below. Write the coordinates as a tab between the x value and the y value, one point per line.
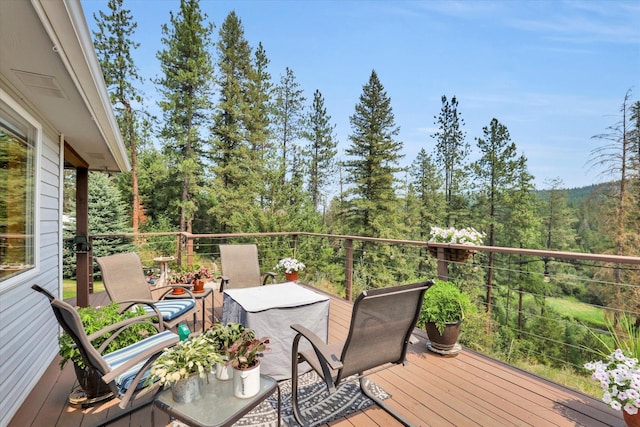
28	329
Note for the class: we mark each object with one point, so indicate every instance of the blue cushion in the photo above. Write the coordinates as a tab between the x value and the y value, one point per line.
118	357
170	309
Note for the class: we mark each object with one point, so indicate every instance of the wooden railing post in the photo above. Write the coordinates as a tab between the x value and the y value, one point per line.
294	239
443	265
189	250
179	249
348	269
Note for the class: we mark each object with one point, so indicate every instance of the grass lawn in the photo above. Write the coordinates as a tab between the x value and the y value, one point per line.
581	312
69	288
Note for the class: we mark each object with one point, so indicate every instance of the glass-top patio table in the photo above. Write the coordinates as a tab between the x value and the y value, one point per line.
218	406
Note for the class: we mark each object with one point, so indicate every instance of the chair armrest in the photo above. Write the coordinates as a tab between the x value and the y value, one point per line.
269	275
123	324
120	327
323	351
150	303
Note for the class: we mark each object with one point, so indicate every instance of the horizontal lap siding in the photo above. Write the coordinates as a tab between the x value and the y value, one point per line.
26	320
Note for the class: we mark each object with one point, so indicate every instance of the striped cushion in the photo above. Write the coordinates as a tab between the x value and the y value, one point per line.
121	356
170	309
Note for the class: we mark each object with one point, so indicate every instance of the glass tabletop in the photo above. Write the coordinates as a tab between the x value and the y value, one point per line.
218	406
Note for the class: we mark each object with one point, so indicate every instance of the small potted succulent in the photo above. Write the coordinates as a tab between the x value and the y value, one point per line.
443	309
291	267
183	366
244	355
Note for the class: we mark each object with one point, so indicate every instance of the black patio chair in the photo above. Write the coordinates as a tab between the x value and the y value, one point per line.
382	322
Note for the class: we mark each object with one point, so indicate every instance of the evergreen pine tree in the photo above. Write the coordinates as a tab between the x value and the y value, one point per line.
495	174
235	134
114	46
375	154
321	149
186	104
288	117
451	152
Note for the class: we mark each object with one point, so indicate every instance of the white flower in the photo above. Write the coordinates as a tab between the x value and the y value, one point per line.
290	264
619	377
464	236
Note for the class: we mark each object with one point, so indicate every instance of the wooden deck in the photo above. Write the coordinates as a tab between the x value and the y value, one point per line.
430	390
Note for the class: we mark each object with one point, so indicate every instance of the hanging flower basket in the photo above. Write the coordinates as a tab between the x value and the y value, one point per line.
455	236
451	254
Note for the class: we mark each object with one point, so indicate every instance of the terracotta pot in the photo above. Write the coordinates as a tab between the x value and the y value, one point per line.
631	420
291	277
447	340
198	286
178	291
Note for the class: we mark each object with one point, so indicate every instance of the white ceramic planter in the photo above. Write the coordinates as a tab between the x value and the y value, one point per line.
246	383
224	372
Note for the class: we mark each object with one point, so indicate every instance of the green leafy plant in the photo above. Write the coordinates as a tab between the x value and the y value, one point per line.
193	356
444	303
96	318
188	275
246	351
222	336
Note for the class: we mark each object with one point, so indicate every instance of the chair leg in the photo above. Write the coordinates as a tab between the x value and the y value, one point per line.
294	381
383	405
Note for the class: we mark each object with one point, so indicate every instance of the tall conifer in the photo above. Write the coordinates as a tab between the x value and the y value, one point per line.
186	103
375	155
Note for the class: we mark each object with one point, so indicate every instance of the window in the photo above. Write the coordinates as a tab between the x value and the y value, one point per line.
18	142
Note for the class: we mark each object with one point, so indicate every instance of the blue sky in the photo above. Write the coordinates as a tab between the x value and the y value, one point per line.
554	72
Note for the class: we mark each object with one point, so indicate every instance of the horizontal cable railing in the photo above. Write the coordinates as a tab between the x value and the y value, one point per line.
543	306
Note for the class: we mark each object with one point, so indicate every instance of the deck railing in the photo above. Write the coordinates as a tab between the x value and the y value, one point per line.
528	286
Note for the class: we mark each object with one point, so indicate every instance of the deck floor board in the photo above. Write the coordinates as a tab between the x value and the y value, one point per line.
430	390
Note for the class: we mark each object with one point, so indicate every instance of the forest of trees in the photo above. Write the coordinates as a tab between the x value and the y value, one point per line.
240	150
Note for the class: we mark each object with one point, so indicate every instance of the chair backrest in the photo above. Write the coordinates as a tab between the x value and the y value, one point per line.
123	277
381	324
69	320
240	265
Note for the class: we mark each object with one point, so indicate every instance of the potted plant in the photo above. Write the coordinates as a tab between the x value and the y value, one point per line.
619	376
443	310
454	236
222	337
244	355
619	372
182	366
291	267
93	320
195	277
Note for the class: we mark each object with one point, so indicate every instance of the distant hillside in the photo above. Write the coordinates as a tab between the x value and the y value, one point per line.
576	196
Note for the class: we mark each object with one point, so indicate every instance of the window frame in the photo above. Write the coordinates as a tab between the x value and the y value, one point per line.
9	103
